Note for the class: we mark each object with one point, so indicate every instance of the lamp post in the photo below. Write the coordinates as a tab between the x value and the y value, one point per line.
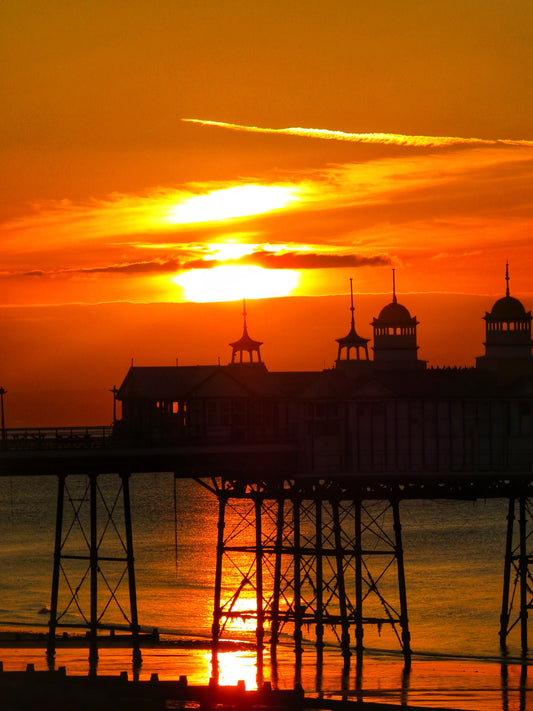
3	391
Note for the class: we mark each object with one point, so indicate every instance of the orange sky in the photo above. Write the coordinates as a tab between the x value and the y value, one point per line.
145	145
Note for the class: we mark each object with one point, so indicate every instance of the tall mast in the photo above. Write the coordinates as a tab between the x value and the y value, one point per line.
351	302
507	277
245	330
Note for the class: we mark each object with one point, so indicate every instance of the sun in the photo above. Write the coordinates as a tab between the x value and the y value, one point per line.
231	203
232	283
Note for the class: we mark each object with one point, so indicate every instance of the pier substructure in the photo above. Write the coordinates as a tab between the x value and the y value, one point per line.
315	557
517	598
93	561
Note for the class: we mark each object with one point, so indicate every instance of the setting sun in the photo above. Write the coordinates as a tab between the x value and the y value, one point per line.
230	203
231	283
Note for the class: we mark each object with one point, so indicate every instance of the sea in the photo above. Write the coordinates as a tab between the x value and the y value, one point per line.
454	562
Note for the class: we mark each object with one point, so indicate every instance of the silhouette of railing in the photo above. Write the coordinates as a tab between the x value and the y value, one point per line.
42	438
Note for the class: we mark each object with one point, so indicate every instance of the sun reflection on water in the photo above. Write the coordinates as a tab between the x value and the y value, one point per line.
235	667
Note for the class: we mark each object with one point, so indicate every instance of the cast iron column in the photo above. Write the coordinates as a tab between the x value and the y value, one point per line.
278	550
523	567
52	624
504	617
93	558
359	628
341	587
137	658
319	582
404	620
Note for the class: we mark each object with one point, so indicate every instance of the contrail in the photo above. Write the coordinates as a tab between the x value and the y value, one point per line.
393	139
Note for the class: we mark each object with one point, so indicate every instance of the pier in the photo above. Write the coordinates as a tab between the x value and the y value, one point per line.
316	465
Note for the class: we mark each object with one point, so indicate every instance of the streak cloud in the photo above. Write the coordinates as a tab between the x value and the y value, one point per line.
388	139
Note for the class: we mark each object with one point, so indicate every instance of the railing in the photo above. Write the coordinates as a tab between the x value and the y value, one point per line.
39	438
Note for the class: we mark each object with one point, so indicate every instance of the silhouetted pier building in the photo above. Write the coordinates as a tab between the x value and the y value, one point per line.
391	414
316	463
365	430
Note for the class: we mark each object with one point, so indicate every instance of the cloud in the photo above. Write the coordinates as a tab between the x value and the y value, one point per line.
145	267
306	260
170	265
391	209
259	258
387	139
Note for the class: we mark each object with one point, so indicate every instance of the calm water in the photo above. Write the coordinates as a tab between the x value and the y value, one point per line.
454	566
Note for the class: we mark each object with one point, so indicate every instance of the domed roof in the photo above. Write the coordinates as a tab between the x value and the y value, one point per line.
508	309
394	313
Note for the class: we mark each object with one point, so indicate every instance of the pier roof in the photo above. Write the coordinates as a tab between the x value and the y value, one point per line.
178	383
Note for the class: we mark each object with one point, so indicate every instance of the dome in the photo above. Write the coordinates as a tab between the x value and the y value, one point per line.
394	313
508	309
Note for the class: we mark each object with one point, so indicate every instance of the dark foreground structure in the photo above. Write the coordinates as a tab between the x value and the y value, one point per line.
315	464
55	691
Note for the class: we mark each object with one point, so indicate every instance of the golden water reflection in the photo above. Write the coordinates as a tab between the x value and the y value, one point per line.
235	667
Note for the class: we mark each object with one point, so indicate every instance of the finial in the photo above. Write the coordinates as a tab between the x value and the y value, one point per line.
507	277
351	302
244	315
393	286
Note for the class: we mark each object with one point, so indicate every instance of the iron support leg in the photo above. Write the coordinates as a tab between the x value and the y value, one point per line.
217	612
297	583
217	601
404	620
523	563
504	617
93	635
359	628
341	587
52	624
274	638
260	613
319	583
137	658
260	632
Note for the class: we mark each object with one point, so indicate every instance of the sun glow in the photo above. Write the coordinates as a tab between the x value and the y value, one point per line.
231	283
231	203
235	667
229	250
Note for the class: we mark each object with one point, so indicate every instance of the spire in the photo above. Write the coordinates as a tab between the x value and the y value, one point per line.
244	329
352	340
394	286
507	277
351	307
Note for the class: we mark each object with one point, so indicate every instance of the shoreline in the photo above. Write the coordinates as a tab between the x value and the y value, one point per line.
36	640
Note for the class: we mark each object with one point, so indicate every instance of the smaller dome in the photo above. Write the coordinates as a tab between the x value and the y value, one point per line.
394	313
508	309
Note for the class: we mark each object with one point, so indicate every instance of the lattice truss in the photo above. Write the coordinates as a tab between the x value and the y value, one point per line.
518	579
307	563
93	554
